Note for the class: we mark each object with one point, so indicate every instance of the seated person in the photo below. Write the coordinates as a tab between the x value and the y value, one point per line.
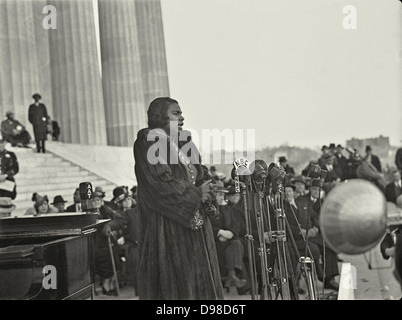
303	216
59	203
6	207
41	206
104	248
125	221
14	132
55	130
229	247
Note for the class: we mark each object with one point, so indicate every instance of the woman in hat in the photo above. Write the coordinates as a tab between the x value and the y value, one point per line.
126	221
38	117
175	241
103	258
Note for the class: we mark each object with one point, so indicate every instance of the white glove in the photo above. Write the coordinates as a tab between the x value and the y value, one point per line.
227	234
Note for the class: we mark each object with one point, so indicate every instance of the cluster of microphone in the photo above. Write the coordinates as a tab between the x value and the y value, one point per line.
257	176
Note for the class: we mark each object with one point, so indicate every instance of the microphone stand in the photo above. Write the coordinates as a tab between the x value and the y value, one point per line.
248	236
262	249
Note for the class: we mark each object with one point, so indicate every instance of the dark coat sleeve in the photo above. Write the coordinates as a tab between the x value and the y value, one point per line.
387	242
9	164
398	159
165	190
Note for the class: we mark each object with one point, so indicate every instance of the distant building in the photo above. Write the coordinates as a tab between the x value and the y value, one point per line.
378	143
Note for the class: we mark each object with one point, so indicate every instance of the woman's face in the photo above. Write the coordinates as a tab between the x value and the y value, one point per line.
175	117
289	193
127	202
97	202
220	199
44	207
234	198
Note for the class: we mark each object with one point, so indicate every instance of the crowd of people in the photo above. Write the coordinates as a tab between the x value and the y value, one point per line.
186	234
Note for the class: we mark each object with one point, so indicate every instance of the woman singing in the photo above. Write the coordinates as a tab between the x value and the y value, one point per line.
177	254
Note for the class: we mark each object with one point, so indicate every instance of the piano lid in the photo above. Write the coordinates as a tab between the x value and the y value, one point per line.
48	225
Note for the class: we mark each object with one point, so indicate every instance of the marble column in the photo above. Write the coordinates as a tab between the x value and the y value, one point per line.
121	71
152	49
24	68
76	79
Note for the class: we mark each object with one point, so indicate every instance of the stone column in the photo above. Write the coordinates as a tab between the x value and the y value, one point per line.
76	78
152	49
121	71
24	66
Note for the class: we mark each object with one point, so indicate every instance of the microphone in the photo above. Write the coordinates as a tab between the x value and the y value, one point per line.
240	172
259	171
323	176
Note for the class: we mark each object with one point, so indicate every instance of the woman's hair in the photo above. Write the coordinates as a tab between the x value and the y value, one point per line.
39	201
34	195
157	112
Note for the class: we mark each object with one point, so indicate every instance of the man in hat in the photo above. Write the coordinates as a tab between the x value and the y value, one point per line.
38	117
300	186
373	159
341	161
59	203
324	151
9	167
6	207
14	132
334	174
230	248
284	163
314	245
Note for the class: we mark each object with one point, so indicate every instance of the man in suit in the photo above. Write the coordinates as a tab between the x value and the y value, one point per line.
394	189
38	117
373	159
9	167
334	173
284	163
310	206
76	206
341	161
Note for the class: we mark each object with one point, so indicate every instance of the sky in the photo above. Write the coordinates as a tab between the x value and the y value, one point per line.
301	73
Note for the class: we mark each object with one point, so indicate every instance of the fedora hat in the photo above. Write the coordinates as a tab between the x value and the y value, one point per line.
58	199
300	179
219	187
6	205
98	192
315	183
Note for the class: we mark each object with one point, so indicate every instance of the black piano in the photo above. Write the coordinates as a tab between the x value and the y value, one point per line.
49	257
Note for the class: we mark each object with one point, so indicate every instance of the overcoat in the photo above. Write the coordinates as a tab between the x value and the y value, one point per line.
175	261
38	117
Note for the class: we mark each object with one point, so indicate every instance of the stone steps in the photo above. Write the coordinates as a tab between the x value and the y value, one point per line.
51	175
